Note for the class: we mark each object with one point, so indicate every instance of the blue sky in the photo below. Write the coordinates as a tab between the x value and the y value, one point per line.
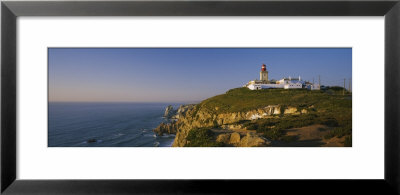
182	74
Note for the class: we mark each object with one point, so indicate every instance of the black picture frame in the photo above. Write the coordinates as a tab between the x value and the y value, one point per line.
11	10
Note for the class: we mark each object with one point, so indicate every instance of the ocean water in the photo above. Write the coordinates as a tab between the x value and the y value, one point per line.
110	124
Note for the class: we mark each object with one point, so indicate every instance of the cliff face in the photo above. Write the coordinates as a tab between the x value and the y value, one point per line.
172	126
193	116
169	112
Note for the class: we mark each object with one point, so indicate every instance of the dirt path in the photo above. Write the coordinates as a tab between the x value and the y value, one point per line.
310	136
240	131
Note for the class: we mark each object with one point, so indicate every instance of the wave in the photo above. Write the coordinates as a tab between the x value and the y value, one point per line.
119	135
168	135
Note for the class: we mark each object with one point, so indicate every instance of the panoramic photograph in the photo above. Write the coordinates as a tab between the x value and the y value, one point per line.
199	97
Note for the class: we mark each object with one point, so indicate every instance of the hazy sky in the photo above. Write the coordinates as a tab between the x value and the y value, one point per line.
182	75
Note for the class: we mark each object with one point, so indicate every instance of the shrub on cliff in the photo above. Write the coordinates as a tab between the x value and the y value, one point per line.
340	131
273	134
348	141
202	137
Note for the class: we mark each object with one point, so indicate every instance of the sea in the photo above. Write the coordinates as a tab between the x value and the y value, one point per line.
107	124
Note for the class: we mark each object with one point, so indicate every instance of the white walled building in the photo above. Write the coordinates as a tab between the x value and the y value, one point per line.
313	87
257	86
293	86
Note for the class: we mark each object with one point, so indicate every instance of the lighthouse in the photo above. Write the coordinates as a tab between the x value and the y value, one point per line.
264	73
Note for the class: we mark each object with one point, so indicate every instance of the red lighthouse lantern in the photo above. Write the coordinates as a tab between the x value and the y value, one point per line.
263	68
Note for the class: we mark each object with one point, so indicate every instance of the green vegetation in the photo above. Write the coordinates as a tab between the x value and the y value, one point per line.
348	141
244	99
340	131
330	107
271	127
202	137
335	90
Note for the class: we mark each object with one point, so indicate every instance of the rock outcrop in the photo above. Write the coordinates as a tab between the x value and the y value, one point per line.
248	140
224	138
169	112
166	128
253	140
234	138
182	110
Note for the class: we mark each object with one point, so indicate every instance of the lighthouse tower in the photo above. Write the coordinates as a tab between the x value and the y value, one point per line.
264	73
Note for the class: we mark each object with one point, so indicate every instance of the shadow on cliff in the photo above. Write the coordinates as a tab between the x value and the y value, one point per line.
299	143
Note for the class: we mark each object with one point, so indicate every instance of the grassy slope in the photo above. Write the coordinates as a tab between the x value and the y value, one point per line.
243	99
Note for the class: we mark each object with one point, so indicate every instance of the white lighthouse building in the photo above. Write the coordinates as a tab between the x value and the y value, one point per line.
285	83
264	73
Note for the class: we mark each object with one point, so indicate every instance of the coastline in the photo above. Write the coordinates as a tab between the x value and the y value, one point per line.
105	124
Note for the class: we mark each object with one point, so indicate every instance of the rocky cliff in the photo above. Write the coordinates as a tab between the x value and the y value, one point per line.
194	116
170	126
169	112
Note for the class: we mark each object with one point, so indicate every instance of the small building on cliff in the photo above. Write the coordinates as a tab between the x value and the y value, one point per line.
313	87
